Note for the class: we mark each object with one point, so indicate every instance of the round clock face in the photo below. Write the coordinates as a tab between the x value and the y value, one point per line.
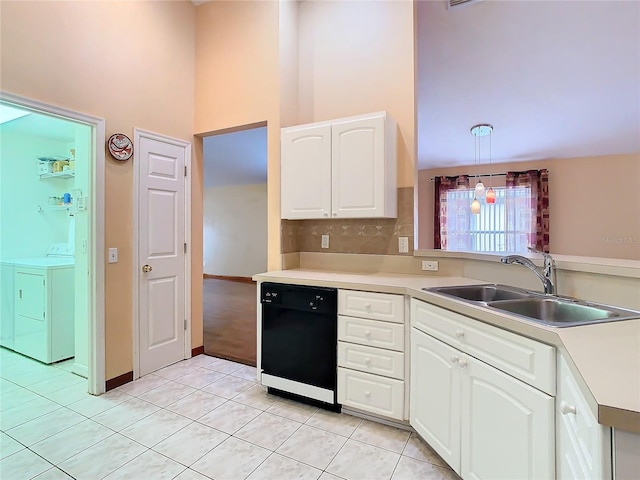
120	146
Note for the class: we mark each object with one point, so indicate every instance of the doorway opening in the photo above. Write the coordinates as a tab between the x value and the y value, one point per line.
52	283
235	239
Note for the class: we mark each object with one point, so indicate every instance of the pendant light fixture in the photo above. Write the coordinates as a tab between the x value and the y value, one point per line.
481	130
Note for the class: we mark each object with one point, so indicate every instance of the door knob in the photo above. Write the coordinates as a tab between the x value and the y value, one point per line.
147	268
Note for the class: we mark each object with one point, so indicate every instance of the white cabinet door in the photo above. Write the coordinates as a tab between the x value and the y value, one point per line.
306	171
359	168
583	445
435	395
507	426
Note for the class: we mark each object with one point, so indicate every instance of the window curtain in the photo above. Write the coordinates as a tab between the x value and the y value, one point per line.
527	210
441	186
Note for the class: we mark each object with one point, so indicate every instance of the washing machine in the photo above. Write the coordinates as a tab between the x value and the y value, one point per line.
43	305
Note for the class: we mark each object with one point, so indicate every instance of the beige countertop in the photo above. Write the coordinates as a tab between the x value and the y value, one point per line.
605	357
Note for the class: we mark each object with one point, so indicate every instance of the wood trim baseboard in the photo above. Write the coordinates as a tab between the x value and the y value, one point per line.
118	381
231	279
197	351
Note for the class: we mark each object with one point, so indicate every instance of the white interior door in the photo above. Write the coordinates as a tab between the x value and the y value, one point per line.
161	253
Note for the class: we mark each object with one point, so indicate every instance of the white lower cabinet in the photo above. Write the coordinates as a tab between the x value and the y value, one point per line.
484	423
583	445
371	360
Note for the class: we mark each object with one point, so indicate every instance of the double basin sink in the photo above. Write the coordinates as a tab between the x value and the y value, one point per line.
551	310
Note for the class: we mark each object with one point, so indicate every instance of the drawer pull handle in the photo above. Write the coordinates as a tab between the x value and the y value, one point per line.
462	363
565	408
459	333
367	394
367	361
454	359
367	333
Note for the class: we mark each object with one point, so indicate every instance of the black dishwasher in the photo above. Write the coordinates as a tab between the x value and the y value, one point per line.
299	342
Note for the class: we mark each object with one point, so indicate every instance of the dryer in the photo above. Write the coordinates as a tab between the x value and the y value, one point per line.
44	305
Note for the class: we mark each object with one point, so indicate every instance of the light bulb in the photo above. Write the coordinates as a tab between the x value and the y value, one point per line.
479	189
475	206
491	196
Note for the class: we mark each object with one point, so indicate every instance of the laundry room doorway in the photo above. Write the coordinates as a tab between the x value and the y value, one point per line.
51	248
234	239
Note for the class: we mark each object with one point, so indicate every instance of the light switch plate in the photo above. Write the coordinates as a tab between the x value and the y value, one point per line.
113	255
325	241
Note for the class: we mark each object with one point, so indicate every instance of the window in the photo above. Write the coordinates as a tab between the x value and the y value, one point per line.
500	227
518	219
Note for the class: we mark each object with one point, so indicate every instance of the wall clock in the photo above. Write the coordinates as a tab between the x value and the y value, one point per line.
120	146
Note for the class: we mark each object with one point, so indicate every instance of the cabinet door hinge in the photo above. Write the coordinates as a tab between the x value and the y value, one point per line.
185	323
185	247
185	170
44	315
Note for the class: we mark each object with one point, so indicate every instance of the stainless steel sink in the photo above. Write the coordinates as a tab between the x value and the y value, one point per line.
482	293
564	312
541	308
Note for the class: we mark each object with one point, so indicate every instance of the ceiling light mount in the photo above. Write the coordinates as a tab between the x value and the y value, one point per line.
481	130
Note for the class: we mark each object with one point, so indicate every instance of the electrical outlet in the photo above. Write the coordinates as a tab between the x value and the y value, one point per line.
325	241
403	244
113	255
430	265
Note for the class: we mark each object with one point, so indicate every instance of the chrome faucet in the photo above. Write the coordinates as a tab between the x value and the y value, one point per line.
547	273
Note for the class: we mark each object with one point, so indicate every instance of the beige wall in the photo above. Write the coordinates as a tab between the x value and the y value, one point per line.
594	203
358	57
237	83
235	230
118	61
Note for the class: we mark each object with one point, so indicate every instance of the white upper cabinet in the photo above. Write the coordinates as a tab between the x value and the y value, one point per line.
345	168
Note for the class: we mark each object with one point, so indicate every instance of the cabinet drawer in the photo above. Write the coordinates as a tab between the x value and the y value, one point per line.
526	359
371	360
371	332
377	306
371	393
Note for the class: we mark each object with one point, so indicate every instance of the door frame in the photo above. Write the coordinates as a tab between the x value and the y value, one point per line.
96	369
138	134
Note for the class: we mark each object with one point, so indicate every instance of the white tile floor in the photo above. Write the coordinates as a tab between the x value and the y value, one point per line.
203	418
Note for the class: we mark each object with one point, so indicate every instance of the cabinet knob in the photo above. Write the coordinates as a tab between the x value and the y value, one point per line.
462	363
335	214
367	306
459	333
367	361
454	359
325	214
367	394
367	333
565	408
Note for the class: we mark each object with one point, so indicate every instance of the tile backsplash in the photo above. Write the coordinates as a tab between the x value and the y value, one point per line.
352	235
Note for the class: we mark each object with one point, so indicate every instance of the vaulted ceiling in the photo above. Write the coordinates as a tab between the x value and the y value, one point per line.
556	79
